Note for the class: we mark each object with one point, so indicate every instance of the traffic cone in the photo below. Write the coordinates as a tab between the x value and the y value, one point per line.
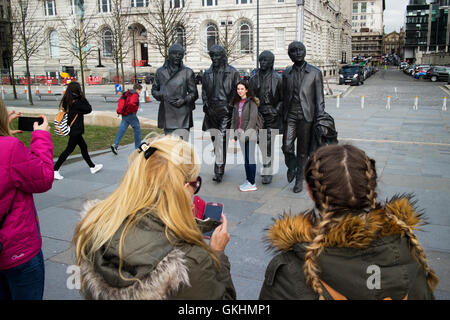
25	89
147	97
49	89
37	90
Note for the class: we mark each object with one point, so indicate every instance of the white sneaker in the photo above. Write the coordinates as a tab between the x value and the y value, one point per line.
57	175
248	187
97	168
243	185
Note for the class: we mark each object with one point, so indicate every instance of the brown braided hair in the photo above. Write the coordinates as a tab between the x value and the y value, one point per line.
342	180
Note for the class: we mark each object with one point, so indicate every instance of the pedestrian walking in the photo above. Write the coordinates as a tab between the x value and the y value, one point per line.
244	119
143	241
76	105
24	171
129	118
350	246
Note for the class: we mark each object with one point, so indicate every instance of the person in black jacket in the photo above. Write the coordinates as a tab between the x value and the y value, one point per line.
76	105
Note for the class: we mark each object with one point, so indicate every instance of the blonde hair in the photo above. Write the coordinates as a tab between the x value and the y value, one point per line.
342	180
4	120
149	186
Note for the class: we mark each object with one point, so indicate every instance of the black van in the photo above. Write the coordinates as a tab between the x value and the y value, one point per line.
351	74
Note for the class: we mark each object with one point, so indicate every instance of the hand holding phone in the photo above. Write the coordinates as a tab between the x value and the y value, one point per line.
220	236
27	123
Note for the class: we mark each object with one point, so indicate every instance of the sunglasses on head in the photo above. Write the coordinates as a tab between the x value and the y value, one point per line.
196	184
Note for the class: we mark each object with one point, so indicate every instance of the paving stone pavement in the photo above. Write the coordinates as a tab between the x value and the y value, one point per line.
411	148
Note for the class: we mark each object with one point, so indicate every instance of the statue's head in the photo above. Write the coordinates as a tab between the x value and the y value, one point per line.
297	52
176	54
218	55
266	60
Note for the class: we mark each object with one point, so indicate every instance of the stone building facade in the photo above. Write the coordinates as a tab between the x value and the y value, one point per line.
326	33
367	29
394	42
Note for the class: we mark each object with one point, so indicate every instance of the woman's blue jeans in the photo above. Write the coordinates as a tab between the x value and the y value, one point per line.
248	151
133	121
24	282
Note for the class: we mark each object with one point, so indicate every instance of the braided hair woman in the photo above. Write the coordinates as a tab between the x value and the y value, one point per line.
350	246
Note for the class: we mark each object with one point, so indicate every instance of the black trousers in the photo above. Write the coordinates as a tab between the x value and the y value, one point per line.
73	142
297	129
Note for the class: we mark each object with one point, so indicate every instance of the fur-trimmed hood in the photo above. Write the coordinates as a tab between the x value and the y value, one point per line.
354	231
153	268
364	256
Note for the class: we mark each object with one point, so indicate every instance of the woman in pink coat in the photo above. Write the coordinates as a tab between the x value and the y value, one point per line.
23	171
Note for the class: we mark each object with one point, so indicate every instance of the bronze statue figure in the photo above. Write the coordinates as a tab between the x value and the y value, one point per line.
303	102
176	90
267	86
218	88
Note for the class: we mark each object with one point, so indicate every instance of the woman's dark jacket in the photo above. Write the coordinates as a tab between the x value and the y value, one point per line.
249	115
81	107
177	270
351	250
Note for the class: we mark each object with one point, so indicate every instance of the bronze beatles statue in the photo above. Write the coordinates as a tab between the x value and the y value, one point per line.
303	103
218	88
176	90
267	86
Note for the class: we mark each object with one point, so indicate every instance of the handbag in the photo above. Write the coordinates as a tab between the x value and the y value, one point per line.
61	127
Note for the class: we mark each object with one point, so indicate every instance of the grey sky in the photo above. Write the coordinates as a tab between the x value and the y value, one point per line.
394	15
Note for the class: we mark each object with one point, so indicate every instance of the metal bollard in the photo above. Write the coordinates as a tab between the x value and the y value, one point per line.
416	103
338	101
388	105
362	102
444	105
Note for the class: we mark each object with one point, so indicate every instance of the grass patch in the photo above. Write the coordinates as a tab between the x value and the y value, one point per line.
96	137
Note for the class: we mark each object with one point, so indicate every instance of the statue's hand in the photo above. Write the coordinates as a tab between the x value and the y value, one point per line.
177	102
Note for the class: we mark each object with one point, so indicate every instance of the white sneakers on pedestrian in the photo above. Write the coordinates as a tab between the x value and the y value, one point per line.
247	186
57	175
97	168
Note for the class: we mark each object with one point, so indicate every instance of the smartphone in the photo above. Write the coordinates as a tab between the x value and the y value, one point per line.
213	211
26	123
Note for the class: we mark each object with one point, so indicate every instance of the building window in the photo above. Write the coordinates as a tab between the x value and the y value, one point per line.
355	7
280	1
77	7
140	3
209	3
104	6
363	6
212	35
54	44
246	38
279	38
177	3
180	36
50	8
107	41
244	1
363	17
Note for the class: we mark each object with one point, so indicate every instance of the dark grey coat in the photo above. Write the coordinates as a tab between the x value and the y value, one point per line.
311	92
182	85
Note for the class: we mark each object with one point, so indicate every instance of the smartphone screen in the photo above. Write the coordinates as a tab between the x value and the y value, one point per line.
213	211
26	123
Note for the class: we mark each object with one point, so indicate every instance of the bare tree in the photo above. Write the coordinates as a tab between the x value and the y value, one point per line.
29	34
13	53
77	34
169	25
230	40
118	24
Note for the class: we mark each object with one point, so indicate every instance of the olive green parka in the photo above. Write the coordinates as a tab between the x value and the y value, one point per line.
164	270
359	251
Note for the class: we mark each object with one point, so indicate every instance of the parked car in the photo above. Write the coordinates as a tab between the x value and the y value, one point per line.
410	69
366	72
245	75
403	65
419	67
351	74
438	73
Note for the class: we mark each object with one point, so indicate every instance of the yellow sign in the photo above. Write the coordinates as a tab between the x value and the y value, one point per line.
65	75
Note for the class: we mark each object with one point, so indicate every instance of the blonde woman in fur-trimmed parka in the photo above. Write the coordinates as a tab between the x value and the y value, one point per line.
349	246
143	242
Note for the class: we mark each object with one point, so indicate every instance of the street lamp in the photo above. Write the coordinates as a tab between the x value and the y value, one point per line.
300	4
133	29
